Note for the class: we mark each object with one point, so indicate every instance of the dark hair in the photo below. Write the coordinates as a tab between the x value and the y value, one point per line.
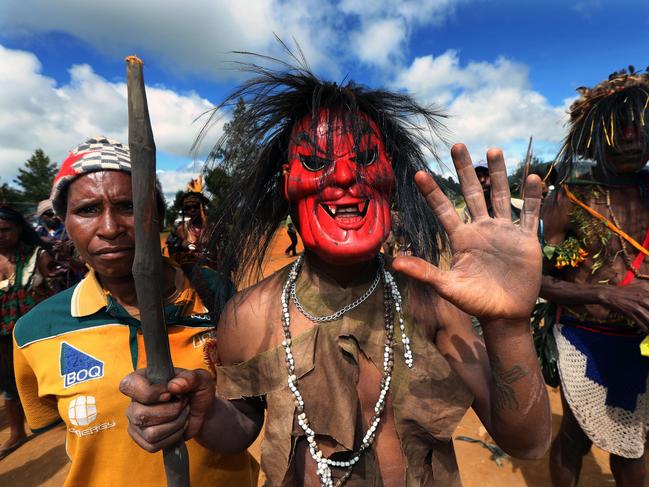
28	235
275	100
599	115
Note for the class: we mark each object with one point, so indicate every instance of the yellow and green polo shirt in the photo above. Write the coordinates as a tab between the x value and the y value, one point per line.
70	354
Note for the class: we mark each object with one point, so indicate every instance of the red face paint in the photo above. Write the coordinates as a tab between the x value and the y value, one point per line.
340	180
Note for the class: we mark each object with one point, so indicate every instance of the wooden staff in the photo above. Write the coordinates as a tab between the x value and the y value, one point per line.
526	169
147	265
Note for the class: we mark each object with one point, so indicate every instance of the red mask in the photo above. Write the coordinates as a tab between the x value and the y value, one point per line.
340	181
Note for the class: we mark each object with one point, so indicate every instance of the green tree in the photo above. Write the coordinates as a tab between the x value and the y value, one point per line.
10	196
35	179
240	143
450	187
217	184
239	147
537	166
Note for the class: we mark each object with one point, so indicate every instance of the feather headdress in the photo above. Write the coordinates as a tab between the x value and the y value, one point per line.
599	115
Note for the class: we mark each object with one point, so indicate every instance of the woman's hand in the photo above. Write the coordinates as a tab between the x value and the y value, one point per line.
161	415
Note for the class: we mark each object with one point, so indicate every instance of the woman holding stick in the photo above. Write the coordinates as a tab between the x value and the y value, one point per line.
72	350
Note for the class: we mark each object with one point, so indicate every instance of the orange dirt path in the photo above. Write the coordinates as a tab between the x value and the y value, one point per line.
42	461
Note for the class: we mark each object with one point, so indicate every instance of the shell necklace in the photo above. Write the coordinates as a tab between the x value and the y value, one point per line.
391	295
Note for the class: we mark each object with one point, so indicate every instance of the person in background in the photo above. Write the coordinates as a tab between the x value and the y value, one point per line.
50	228
184	243
24	265
292	234
484	178
66	266
596	273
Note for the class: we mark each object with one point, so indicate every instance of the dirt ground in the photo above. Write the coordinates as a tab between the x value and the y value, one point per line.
42	461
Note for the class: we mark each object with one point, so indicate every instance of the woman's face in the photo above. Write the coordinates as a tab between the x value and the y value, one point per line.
99	220
9	235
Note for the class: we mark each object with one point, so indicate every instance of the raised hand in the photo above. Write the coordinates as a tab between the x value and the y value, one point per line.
495	269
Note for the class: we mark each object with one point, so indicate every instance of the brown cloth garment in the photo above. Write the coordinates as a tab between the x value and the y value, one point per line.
428	400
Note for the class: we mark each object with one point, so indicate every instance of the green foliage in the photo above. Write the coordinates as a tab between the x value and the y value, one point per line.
217	184
35	179
450	187
10	196
536	167
240	141
596	234
239	147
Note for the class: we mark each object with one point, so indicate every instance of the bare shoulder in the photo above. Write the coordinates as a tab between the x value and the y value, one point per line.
249	323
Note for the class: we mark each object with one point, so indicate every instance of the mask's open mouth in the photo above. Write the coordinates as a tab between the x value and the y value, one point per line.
348	211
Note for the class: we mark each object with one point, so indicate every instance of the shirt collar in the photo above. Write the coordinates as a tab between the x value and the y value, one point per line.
89	297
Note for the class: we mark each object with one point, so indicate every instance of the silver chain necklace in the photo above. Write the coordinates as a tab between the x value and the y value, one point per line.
390	294
341	311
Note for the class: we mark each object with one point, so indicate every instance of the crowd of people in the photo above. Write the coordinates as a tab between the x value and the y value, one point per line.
358	364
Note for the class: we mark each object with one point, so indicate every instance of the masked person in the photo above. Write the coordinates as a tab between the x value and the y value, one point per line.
72	350
362	369
597	274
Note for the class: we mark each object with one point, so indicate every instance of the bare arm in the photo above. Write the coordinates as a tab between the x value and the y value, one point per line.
504	378
187	407
495	275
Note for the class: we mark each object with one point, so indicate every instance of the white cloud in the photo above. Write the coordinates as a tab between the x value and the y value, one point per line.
174	181
182	38
489	104
38	113
418	11
386	26
379	42
198	38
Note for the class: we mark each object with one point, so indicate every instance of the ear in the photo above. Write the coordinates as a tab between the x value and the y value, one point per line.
285	175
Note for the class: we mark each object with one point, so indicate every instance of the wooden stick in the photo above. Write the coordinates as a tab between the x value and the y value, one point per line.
147	265
526	169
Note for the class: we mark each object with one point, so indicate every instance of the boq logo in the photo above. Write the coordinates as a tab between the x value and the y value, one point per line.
78	367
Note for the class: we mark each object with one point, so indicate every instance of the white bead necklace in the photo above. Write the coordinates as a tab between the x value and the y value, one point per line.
390	294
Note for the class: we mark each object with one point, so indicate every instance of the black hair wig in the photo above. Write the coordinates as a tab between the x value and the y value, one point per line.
275	99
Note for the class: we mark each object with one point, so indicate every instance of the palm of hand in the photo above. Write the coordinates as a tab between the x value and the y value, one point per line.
495	266
495	270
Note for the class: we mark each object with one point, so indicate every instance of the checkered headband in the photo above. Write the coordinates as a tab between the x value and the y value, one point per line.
94	155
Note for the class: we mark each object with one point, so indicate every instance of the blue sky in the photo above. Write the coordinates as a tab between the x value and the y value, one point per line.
504	70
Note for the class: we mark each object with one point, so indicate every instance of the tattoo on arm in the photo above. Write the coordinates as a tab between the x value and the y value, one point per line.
505	396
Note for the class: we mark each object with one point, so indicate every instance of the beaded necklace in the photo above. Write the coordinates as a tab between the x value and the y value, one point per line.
390	295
